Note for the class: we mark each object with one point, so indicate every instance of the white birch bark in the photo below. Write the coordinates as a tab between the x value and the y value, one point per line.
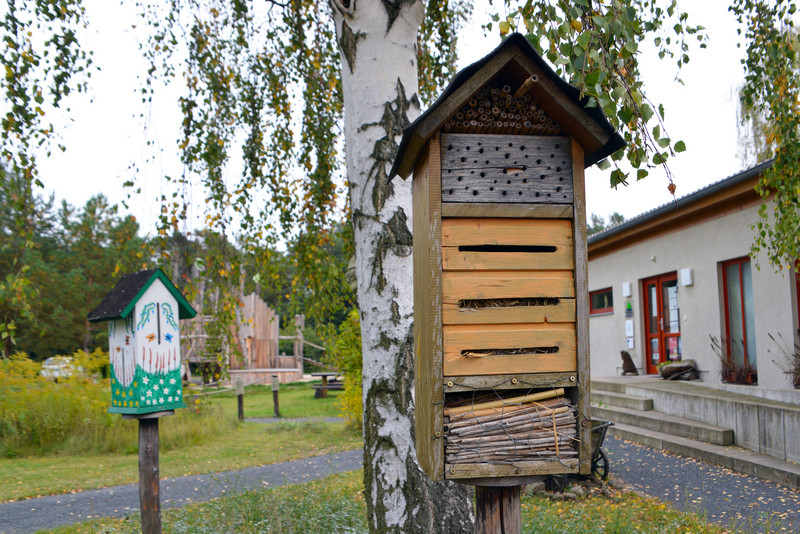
377	40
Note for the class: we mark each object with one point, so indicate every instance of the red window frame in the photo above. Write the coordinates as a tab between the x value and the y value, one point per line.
725	265
601	311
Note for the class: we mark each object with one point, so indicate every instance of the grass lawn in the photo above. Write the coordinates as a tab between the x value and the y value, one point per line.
246	445
294	400
336	504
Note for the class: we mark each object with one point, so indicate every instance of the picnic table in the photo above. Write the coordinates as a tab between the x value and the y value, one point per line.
329	381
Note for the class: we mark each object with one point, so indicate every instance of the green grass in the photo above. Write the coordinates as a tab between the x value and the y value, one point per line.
294	400
338	500
239	446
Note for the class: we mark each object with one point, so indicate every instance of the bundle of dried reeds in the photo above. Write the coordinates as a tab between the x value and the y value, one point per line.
498	110
538	426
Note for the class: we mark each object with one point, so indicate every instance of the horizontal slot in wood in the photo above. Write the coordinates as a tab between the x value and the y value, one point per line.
468	384
471	353
487	244
563	311
508	248
475	304
460	285
509	337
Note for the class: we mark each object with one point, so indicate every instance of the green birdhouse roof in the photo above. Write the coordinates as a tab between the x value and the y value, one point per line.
119	302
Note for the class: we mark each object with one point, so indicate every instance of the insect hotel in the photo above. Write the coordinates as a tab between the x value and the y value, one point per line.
144	347
500	268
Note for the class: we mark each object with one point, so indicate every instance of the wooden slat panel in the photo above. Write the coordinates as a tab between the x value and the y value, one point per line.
563	312
462	471
471	383
509	210
498	168
458	338
458	285
428	313
526	232
582	308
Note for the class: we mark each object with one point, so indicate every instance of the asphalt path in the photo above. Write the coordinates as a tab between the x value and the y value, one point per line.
118	501
742	503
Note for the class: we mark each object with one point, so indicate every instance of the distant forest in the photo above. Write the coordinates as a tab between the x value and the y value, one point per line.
76	255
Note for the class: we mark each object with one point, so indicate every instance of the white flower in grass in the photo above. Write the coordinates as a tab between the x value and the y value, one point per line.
161	400
149	394
172	381
155	388
145	380
165	392
161	381
169	399
148	400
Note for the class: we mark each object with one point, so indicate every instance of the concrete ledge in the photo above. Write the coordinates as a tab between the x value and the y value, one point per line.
732	457
621	400
667	424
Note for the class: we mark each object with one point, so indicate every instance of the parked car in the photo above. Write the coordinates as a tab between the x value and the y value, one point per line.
58	367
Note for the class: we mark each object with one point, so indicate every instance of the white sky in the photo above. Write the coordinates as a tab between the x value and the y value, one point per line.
106	136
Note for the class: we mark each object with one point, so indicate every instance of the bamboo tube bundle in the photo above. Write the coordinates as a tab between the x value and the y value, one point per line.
537	426
502	110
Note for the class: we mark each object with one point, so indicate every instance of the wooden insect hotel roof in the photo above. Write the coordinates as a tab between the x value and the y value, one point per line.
119	302
510	91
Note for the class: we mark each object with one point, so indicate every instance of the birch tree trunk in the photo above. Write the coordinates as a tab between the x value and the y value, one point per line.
377	40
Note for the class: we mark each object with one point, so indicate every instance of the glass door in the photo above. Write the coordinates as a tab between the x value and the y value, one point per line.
662	320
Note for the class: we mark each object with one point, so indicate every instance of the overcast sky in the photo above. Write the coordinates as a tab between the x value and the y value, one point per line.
106	136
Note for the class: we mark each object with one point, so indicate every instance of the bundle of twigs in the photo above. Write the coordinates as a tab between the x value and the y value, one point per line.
498	110
538	426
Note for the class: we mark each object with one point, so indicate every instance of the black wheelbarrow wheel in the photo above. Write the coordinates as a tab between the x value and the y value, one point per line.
600	467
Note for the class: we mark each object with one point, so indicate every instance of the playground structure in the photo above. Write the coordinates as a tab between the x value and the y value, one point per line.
256	337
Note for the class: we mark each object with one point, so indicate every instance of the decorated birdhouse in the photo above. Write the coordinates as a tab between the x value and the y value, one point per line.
144	347
500	268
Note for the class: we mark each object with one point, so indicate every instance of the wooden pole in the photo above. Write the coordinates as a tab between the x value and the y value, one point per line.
498	510
276	386
149	497
240	397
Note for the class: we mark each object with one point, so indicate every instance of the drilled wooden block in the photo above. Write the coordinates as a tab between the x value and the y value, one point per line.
500	168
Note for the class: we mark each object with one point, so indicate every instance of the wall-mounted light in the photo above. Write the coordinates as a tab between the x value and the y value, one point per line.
687	277
626	289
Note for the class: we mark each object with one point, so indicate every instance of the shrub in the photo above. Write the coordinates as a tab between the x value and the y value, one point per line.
39	416
346	356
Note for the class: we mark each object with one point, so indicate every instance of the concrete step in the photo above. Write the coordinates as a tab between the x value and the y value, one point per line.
608	398
669	424
731	457
608	385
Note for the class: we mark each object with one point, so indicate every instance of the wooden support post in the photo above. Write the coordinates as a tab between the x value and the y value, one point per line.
149	496
276	386
240	397
299	325
498	510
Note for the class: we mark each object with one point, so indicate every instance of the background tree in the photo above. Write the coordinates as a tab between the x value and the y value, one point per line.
770	97
598	224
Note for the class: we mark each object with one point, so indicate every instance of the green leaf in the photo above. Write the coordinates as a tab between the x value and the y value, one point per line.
680	146
647	112
603	164
663	142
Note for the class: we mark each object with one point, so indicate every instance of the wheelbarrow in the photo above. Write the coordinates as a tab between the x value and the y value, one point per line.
600	467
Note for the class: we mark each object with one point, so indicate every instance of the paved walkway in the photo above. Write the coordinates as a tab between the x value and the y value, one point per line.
740	502
56	510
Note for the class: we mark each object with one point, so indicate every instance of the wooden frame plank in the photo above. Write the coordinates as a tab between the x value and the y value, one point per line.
428	385
582	309
510	210
455	384
542	467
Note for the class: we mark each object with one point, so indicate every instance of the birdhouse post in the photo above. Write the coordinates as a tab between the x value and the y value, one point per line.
500	268
144	349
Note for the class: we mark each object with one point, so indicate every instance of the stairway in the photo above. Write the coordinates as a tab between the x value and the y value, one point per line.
636	420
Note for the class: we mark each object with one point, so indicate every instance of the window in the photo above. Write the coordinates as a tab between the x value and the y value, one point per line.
740	332
601	301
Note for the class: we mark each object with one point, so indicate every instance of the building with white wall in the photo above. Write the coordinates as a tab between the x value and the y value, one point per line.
662	284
